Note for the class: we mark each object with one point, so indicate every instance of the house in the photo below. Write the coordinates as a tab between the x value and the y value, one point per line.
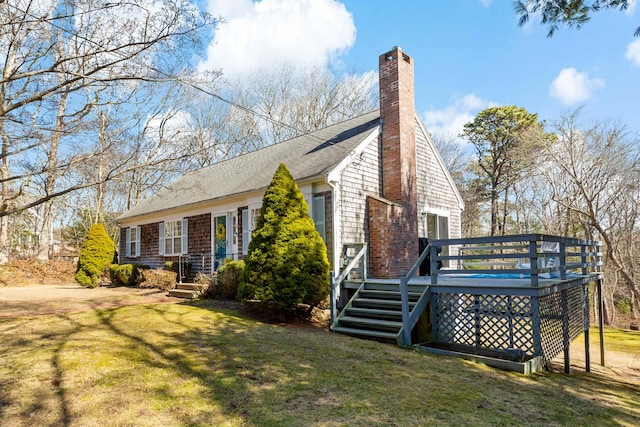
376	178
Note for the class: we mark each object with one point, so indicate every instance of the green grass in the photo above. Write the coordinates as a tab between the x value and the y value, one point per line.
200	365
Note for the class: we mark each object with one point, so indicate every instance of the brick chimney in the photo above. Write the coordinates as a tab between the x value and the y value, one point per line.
393	220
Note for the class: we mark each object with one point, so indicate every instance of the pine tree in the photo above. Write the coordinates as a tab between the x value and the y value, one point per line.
287	261
96	254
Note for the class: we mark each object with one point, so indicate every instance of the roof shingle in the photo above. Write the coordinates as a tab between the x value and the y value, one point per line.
307	156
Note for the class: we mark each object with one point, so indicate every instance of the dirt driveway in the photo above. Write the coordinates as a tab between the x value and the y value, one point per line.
70	298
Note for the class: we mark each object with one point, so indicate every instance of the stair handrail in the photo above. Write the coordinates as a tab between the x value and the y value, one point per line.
405	339
182	259
343	275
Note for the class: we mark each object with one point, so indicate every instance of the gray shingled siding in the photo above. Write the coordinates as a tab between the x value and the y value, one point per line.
434	189
360	178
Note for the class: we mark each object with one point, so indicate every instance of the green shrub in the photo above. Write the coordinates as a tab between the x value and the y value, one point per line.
97	253
158	278
126	274
228	278
287	261
623	305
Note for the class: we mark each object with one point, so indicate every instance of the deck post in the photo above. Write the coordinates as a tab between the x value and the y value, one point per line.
533	262
332	298
404	301
433	260
600	320
565	330
537	337
563	260
585	322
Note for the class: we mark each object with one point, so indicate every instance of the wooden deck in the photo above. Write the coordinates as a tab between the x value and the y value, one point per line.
530	306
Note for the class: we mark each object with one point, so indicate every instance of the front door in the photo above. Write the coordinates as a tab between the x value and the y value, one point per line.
220	240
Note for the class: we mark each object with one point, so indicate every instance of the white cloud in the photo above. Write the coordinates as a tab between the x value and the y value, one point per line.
268	33
450	121
486	3
572	86
631	7
633	52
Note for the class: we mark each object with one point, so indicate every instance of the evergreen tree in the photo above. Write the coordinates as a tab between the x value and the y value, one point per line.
96	254
505	140
287	261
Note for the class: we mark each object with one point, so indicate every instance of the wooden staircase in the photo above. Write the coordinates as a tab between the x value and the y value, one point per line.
185	290
375	311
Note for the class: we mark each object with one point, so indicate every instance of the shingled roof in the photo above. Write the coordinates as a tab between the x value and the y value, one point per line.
307	157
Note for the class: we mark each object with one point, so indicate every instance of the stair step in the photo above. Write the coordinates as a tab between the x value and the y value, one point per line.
411	287
374	313
386	336
379	303
377	323
186	286
390	295
182	293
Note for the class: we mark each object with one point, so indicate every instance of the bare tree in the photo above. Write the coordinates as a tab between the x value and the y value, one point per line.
595	177
62	52
291	101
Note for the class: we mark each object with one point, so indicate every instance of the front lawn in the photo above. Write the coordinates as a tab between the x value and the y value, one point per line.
201	365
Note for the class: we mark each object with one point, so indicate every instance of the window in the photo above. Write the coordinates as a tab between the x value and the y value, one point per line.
249	223
318	212
173	237
133	242
255	214
438	228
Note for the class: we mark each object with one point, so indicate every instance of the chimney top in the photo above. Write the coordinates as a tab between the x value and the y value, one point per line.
395	53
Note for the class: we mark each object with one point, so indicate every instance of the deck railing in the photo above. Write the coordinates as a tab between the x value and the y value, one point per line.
407	321
533	256
359	259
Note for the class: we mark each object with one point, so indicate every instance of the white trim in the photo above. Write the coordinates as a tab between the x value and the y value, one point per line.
337	223
334	174
440	161
437	211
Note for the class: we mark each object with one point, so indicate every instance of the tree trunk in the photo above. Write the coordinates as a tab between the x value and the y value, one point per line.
50	183
605	311
505	210
494	211
101	188
4	197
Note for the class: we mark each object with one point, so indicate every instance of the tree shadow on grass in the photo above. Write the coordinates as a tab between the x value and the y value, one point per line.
49	401
252	373
273	375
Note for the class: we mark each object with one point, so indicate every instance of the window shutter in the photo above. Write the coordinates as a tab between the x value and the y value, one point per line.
319	216
185	236
138	241
161	239
246	234
127	243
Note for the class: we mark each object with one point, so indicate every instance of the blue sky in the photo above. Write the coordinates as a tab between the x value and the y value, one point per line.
468	54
